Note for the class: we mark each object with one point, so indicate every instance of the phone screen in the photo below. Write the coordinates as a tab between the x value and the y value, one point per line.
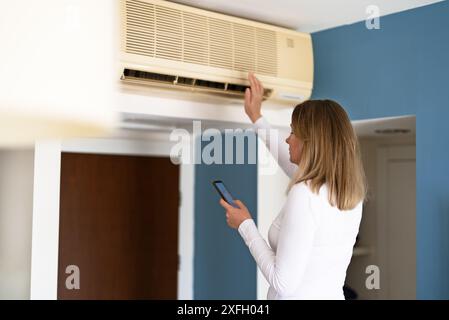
219	185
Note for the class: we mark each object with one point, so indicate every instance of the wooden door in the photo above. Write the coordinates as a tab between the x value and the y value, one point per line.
119	226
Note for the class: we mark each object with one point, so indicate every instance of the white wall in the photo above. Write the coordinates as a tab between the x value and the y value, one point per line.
16	206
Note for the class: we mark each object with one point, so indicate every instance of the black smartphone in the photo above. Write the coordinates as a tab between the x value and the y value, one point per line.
224	193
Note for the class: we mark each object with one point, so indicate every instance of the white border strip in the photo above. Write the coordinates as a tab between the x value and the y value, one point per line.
45	229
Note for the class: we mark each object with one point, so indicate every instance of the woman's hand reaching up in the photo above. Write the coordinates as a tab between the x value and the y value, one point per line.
253	98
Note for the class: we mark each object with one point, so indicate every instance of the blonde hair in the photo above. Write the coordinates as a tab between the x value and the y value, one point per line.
331	152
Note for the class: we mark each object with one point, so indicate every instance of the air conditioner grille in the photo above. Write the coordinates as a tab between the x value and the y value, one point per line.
157	31
144	77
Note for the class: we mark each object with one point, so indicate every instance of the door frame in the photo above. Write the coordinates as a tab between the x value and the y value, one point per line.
46	193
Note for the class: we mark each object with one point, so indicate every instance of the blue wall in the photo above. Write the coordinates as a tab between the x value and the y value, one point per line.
401	69
223	265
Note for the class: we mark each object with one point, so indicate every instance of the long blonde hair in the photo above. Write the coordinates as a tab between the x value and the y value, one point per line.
331	152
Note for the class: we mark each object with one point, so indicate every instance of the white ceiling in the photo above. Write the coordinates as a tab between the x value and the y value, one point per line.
305	15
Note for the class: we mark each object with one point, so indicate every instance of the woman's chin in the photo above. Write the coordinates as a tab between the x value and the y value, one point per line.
293	160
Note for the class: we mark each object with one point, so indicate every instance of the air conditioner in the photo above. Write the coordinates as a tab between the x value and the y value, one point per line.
165	44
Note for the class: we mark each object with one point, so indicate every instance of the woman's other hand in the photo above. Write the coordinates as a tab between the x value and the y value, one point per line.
253	98
235	216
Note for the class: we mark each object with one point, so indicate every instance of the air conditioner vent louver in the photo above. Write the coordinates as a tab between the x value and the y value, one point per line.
143	77
210	84
185	81
149	76
159	31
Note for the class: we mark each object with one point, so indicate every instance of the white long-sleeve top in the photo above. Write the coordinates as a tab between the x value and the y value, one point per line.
310	242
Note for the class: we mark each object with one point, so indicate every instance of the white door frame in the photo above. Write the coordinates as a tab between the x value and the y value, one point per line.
45	228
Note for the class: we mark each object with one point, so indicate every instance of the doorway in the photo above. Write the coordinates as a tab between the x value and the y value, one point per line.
387	235
118	226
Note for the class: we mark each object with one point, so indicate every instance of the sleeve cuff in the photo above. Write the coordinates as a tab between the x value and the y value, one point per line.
261	123
248	229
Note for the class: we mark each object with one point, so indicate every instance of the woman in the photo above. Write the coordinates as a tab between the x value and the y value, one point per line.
311	240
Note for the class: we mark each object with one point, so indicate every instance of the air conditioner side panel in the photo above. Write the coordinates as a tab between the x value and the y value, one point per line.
295	58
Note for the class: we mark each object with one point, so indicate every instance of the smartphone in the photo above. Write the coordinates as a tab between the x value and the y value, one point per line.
224	193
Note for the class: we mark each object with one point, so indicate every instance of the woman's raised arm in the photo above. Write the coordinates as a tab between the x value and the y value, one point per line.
253	107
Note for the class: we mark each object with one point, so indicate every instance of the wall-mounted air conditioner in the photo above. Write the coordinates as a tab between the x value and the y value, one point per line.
165	44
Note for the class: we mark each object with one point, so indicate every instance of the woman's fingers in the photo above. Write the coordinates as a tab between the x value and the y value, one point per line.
252	82
247	96
225	205
255	81
240	204
259	86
